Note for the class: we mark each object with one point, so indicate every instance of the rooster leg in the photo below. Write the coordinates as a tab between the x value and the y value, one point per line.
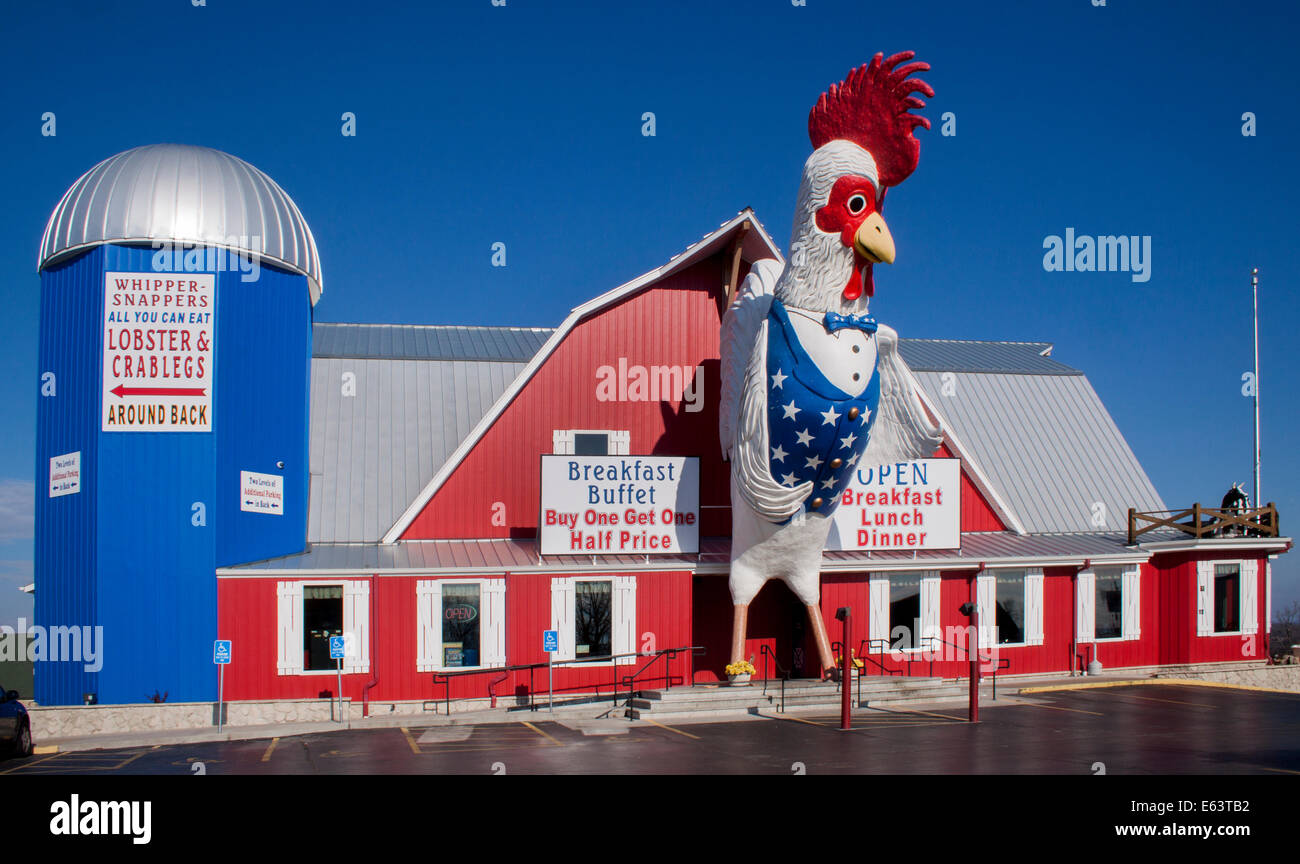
738	624
823	641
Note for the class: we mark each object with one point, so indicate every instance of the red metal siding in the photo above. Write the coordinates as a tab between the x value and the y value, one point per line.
248	615
1178	640
504	465
976	514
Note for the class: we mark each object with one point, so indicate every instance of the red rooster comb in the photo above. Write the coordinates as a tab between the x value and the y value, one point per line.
870	108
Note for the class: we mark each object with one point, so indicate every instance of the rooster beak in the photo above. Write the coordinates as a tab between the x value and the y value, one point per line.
873	240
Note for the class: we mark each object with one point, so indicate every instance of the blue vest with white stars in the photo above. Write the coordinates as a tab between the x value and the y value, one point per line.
809	430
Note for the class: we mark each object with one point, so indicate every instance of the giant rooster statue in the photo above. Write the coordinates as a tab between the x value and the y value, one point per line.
811	384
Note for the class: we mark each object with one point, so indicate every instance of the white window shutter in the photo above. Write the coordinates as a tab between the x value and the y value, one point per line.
1249	596
931	634
492	627
1085	607
562	442
428	625
623	613
1268	596
289	627
1034	606
356	625
986	600
1131	619
620	443
1204	598
563	600
877	612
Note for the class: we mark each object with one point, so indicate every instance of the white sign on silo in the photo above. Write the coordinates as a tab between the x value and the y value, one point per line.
158	352
65	474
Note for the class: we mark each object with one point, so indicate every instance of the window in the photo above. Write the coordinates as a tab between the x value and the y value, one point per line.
1227	598
1010	606
1108	603
590	442
460	624
309	613
904	611
1108	620
593	625
322	615
1227	595
595	617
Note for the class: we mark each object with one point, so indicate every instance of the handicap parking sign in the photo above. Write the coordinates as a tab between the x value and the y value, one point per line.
221	651
550	641
336	648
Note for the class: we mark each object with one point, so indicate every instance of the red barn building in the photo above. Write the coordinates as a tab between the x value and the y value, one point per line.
425	451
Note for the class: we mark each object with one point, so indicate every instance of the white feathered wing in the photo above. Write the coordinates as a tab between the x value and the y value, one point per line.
742	424
903	430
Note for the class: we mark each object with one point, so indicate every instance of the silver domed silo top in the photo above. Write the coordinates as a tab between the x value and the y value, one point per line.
183	194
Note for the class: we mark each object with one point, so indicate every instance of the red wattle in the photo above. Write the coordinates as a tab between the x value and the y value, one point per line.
860	277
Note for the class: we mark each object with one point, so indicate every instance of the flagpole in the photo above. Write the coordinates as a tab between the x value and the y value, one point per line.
1254	290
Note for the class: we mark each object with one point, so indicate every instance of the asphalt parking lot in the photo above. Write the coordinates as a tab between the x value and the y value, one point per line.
1171	729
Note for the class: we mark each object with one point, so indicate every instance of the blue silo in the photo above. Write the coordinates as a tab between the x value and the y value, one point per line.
177	289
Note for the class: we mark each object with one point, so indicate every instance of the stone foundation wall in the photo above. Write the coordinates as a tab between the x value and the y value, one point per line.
78	720
1270	677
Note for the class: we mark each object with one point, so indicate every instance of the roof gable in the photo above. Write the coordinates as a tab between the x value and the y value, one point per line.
756	244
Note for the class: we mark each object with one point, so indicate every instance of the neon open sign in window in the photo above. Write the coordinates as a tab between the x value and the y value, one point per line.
459	612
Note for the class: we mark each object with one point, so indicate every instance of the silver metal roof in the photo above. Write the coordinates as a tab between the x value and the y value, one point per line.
413	342
184	194
372	453
950	355
499	556
1044	440
1049	447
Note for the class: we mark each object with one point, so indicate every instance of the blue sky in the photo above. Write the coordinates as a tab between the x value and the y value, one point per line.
522	124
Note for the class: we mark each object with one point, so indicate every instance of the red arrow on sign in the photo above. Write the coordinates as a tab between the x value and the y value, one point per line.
122	390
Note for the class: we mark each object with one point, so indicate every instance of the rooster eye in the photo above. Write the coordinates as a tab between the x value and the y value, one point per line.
857	204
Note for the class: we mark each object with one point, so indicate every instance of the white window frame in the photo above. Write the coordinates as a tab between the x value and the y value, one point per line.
622	625
428	623
563	441
1247	597
878	590
1130	621
289	625
986	595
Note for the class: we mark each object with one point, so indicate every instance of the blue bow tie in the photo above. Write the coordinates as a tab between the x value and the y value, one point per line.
835	321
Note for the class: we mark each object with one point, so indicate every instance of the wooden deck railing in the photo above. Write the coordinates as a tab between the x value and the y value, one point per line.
1206	522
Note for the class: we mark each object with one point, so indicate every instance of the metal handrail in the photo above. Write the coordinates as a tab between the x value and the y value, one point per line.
880	663
444	676
764	651
1003	662
668	654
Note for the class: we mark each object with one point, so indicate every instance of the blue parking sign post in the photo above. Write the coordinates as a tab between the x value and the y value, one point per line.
221	656
550	644
338	648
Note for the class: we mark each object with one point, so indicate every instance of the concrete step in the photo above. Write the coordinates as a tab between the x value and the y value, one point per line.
792	688
706	701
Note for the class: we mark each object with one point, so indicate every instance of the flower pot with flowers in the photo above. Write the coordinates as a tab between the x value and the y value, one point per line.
740	673
855	665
